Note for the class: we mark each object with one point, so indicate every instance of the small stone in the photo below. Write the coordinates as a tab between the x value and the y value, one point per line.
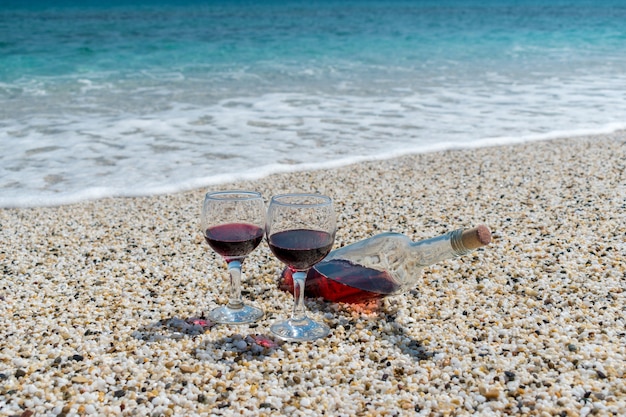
119	393
241	344
406	404
492	394
489	393
20	373
531	292
186	369
572	347
79	379
78	358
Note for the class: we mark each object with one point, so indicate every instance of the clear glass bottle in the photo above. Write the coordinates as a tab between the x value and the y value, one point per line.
384	265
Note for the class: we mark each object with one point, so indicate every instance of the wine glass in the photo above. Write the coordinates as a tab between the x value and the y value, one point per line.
232	223
300	232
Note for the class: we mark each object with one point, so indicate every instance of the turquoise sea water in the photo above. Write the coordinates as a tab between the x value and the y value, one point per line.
142	97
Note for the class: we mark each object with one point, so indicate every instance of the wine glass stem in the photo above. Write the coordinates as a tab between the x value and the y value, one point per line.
299	279
234	269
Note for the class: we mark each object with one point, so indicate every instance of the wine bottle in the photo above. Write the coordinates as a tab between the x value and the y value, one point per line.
383	265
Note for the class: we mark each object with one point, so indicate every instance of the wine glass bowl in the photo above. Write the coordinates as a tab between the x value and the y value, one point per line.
300	232
232	224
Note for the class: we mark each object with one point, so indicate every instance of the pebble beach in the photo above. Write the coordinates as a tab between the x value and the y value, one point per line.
101	302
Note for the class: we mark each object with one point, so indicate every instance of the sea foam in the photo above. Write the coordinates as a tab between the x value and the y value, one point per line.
215	94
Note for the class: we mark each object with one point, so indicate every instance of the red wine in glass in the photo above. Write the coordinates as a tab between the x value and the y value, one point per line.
300	229
234	240
232	224
301	248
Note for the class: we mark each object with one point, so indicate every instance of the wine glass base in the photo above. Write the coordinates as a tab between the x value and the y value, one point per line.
300	330
243	315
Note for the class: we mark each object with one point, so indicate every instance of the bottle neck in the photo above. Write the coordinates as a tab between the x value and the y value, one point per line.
456	242
440	248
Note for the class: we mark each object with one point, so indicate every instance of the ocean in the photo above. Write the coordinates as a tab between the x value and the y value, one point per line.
134	98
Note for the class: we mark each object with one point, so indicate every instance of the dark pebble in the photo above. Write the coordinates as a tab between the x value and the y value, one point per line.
20	373
3	377
572	347
510	376
601	374
202	398
119	393
78	358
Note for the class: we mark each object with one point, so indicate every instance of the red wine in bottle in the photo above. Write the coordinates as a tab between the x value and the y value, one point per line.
343	282
383	265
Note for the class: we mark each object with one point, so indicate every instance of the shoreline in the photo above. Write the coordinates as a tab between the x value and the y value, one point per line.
260	173
95	297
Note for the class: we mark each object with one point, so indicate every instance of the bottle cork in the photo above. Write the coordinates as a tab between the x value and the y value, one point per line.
476	237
